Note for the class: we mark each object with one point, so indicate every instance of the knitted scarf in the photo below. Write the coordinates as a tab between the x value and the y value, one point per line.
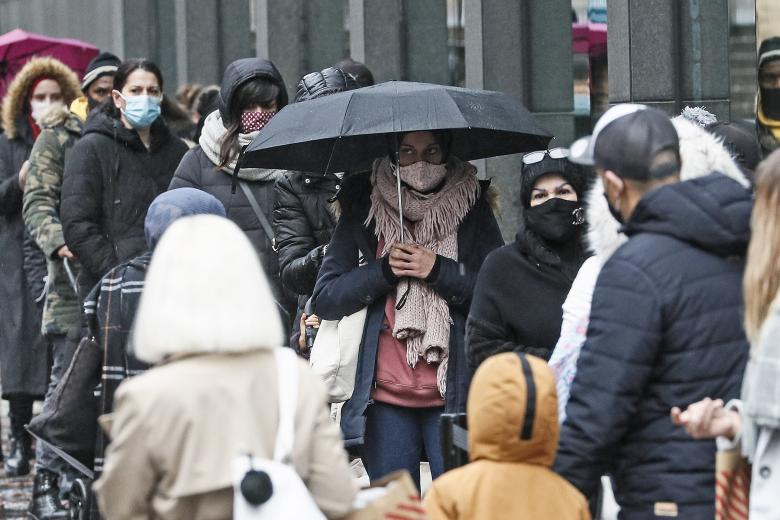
424	321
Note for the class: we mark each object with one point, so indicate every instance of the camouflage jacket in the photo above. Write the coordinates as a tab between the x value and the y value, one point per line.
59	132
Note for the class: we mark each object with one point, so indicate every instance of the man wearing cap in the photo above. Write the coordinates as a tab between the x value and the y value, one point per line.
768	99
665	326
60	128
97	84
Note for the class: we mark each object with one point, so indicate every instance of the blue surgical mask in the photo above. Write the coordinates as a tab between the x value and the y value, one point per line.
141	111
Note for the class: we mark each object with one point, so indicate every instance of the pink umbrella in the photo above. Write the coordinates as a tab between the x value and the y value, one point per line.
18	47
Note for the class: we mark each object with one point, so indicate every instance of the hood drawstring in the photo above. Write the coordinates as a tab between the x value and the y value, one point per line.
530	405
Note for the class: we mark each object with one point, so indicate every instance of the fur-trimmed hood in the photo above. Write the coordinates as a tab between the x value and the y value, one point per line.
702	153
16	97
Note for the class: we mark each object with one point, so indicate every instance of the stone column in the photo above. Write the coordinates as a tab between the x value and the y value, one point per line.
681	58
401	39
300	36
198	56
523	48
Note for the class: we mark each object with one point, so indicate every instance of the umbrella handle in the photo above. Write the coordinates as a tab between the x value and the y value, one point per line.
400	199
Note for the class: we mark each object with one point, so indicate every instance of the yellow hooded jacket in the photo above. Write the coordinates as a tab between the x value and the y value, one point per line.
510	475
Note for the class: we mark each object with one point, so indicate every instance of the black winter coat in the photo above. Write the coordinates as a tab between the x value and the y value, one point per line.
197	171
23	353
109	181
665	330
303	224
343	288
518	298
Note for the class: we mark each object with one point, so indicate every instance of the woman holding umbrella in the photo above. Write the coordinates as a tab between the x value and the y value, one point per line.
417	284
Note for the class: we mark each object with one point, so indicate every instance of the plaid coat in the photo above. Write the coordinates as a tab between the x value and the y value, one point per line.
110	310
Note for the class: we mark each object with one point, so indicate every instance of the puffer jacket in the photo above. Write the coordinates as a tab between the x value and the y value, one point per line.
303	224
109	181
510	475
665	330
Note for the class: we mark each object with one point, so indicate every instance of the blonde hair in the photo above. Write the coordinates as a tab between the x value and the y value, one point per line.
762	273
205	292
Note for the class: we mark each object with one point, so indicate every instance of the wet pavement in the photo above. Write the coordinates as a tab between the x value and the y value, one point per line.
14	492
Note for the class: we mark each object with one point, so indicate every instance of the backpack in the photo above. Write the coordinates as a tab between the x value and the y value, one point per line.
265	489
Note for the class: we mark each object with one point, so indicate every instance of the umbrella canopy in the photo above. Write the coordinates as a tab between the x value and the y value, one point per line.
18	47
345	132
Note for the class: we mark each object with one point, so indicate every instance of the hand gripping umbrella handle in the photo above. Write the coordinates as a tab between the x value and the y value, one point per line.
400	200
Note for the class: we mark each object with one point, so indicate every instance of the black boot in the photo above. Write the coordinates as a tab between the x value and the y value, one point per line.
17	463
45	503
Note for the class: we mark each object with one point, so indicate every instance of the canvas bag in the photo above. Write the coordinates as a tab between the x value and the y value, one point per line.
335	352
290	498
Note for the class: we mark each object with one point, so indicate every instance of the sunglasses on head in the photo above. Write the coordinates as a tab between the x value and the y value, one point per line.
555	153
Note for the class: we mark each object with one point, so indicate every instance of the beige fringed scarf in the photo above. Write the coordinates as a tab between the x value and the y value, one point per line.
424	321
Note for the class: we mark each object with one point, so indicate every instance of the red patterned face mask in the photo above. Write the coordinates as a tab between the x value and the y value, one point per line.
255	120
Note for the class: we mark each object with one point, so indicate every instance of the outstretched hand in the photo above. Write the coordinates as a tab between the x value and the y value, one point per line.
412	260
708	419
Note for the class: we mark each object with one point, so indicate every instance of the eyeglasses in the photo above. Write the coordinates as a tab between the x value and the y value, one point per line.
555	153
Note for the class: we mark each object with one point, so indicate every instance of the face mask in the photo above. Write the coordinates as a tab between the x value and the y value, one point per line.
92	104
141	111
422	176
255	120
556	220
770	102
39	108
614	210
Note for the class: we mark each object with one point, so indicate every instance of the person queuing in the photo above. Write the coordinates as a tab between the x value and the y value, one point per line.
520	289
411	364
513	436
768	99
125	158
96	85
752	422
252	92
303	215
702	154
42	84
112	304
60	129
208	319
664	324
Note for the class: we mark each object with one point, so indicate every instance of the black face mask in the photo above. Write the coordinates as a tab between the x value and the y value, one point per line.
92	104
556	220
613	211
770	102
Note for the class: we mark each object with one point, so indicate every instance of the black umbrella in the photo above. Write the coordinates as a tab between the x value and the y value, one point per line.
345	132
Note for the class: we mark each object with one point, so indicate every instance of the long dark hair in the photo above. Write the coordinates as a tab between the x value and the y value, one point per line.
257	91
120	79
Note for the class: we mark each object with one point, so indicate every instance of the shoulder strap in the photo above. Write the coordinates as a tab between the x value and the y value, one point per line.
261	218
288	375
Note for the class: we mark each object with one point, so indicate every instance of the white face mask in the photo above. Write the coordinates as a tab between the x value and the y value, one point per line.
40	108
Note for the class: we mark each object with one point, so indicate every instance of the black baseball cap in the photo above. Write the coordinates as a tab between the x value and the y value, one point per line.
626	139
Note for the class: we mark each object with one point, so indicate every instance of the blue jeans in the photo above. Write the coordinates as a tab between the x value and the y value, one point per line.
396	437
